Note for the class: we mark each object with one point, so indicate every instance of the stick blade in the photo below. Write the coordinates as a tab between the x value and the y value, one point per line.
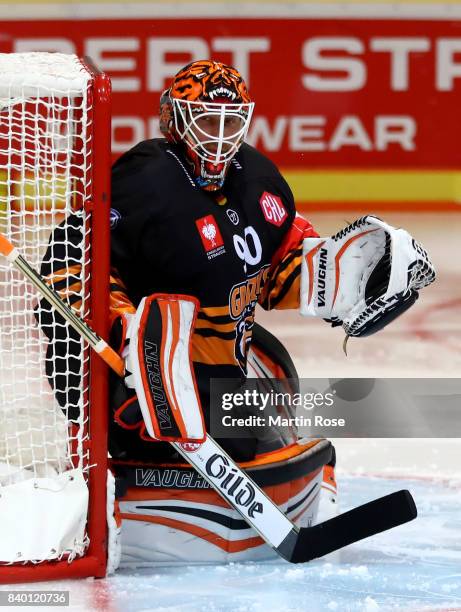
374	517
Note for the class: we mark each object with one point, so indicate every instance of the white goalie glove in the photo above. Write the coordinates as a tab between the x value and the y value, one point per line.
364	276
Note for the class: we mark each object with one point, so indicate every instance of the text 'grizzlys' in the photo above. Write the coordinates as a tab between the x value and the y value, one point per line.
246	293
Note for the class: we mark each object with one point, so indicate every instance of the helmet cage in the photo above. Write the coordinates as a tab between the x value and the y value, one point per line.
214	147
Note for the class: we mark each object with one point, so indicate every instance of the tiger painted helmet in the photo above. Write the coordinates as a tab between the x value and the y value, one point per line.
208	109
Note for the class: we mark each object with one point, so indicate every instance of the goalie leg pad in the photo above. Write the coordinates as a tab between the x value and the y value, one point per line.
159	367
170	515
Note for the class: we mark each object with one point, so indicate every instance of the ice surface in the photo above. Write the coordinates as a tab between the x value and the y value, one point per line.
415	567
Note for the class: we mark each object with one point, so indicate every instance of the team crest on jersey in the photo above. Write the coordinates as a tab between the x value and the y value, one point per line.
273	210
211	236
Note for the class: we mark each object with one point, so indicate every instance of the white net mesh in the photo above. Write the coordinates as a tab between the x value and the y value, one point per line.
45	175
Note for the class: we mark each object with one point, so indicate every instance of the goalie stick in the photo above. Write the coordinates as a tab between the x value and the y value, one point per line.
295	544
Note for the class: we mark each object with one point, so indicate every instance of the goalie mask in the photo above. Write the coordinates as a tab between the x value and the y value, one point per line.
208	109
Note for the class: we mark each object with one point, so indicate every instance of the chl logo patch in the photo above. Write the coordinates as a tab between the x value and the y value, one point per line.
273	210
211	236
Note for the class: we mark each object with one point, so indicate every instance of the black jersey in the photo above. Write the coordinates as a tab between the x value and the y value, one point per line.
168	235
230	250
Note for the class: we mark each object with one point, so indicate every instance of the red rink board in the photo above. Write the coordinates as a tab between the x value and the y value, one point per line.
356	95
392	101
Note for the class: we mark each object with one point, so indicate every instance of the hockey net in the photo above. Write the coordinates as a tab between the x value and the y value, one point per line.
54	148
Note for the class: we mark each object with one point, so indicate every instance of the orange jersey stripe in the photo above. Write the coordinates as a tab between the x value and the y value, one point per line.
115	278
119	302
213	351
215	311
62	273
291	299
220	327
77	306
74	289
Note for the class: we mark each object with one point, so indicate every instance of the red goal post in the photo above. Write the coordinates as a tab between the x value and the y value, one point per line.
54	163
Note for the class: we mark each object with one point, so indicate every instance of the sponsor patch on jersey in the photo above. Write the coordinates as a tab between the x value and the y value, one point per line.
273	210
211	236
114	217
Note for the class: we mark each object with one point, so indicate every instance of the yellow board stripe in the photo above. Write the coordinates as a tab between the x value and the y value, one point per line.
326	186
374	186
